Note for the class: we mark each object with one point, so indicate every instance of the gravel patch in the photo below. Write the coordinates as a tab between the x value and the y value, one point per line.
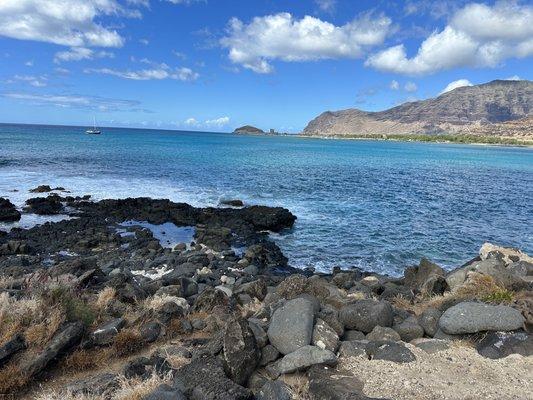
458	373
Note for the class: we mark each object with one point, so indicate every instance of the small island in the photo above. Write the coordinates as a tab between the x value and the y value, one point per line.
249	129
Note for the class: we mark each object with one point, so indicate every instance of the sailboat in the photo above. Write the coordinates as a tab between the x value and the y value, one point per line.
93	131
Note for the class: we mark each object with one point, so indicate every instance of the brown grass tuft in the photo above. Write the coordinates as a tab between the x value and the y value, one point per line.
298	385
84	360
12	379
127	341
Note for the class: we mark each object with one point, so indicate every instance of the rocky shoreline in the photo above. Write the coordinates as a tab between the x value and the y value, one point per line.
93	307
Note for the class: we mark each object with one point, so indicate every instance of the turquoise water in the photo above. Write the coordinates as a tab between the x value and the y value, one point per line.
372	204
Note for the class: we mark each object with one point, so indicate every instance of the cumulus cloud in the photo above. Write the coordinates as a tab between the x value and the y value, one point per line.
80	53
65	22
456	84
217	123
513	78
77	101
283	37
394	85
157	72
477	35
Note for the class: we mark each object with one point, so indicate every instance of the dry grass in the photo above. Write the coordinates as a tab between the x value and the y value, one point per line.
399	301
104	297
138	389
11	379
127	341
298	385
128	390
37	335
476	287
84	360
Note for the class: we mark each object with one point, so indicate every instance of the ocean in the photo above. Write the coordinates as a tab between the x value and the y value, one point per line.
377	205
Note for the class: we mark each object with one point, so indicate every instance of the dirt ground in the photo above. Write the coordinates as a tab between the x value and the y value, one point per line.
458	373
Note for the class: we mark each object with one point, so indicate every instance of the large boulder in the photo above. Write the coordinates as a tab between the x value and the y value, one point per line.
472	317
165	392
274	390
505	254
429	321
409	329
365	315
501	344
302	358
390	351
204	379
8	212
382	333
105	334
101	386
241	354
44	205
62	342
427	278
291	326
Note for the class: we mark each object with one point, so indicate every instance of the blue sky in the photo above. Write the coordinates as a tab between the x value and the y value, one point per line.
218	64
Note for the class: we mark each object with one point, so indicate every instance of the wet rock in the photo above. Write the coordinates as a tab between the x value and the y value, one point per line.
324	336
8	212
409	329
471	317
62	342
501	344
41	189
44	205
291	326
383	334
241	354
390	351
165	392
204	379
431	346
274	390
300	359
232	203
429	321
365	315
101	385
10	348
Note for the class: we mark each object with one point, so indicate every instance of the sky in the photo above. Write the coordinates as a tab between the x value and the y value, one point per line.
213	65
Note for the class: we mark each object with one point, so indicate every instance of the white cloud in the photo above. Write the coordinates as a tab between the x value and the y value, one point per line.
217	123
281	36
158	72
65	22
394	85
146	42
35	81
187	2
77	101
410	87
456	84
477	36
80	53
513	78
326	5
29	63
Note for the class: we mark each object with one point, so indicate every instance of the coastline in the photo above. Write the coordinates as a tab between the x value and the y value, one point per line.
225	315
428	139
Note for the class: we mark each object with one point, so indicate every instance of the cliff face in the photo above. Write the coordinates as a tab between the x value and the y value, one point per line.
494	108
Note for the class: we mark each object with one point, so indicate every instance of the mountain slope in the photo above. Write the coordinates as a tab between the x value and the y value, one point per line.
486	109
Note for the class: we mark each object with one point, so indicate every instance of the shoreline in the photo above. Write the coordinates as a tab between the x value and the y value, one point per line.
407	138
98	306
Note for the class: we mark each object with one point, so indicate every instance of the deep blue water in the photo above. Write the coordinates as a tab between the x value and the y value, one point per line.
373	204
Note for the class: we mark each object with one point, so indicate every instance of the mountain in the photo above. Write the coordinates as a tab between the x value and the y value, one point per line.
500	108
